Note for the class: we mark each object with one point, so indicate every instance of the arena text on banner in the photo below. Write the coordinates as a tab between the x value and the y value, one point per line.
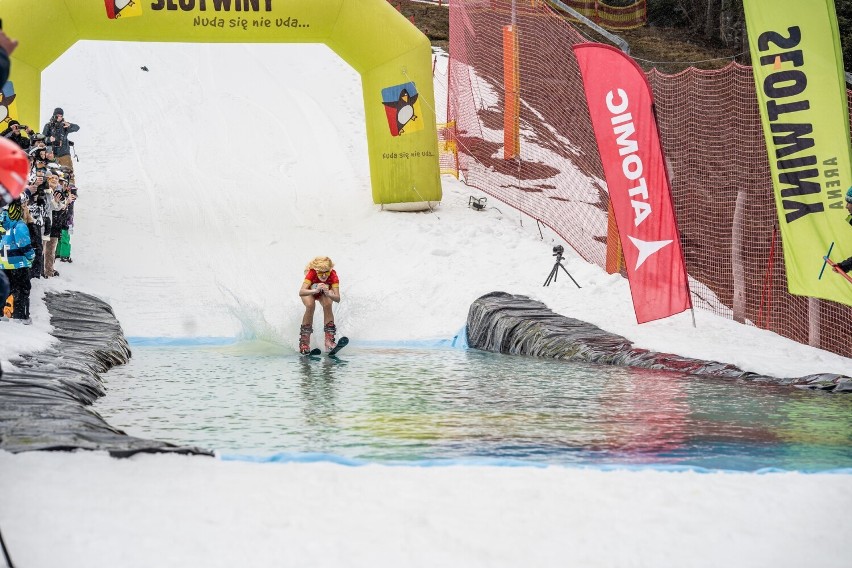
621	109
801	88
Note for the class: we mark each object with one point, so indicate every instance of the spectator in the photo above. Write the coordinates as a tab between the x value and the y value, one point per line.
15	132
56	131
17	258
38	143
63	249
36	206
57	206
846	265
7	46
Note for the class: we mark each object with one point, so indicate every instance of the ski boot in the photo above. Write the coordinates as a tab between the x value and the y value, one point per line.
305	339
330	330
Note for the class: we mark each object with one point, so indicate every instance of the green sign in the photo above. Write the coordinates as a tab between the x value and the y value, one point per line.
801	88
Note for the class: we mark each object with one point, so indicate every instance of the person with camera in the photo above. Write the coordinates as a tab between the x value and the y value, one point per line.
36	201
56	132
58	203
38	143
16	131
63	247
321	285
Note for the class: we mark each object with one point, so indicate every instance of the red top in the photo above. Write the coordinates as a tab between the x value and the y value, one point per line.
332	280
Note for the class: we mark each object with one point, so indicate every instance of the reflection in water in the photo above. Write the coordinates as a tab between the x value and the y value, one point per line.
644	414
319	394
406	404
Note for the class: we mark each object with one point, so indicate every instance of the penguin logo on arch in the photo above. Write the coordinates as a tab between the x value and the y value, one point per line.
402	107
118	9
8	107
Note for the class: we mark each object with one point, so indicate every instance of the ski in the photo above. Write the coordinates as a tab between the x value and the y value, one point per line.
312	353
343	342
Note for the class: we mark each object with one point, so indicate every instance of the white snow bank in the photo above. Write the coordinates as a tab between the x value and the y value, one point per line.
88	510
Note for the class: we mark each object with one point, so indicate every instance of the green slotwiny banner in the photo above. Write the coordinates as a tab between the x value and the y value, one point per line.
798	72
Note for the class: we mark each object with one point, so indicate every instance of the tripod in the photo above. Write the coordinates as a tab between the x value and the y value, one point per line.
555	270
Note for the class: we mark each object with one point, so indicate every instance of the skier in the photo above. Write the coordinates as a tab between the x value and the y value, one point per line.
322	285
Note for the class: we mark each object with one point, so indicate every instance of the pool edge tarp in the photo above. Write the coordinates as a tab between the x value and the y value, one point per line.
44	403
517	325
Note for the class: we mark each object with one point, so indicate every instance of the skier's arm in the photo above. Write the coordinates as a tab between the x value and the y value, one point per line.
333	293
306	290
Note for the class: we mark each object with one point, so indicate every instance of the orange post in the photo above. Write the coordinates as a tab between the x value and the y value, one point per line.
614	256
511	83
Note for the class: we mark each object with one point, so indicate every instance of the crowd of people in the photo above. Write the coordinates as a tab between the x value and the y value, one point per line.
37	192
36	226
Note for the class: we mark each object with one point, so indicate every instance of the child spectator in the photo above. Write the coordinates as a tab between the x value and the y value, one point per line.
17	258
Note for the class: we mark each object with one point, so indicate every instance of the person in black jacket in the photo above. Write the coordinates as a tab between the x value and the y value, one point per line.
56	132
846	265
16	131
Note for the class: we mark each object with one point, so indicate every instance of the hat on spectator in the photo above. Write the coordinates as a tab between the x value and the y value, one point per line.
58	110
849	195
15	210
13	122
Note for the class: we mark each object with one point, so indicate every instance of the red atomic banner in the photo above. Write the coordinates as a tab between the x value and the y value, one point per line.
621	108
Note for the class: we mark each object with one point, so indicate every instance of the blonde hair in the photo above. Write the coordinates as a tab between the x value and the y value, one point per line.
320	264
28	217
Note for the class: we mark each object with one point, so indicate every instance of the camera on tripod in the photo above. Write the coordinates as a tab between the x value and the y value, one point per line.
557	252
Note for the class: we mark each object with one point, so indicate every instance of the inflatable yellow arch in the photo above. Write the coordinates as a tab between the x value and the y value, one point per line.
392	56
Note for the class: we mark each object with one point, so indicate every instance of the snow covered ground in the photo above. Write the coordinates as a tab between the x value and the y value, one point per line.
206	185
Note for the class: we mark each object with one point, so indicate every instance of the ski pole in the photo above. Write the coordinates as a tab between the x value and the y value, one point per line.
6	553
825	260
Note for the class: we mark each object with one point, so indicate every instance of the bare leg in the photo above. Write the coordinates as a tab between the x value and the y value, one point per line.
327	315
310	304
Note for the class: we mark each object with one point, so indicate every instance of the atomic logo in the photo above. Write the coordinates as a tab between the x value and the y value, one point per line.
117	9
402	107
647	248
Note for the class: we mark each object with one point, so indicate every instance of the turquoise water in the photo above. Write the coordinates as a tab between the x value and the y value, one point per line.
408	405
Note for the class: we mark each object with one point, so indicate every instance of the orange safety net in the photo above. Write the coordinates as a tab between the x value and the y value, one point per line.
448	155
711	134
610	17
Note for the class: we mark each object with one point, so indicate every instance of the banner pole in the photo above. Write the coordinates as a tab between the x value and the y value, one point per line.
667	171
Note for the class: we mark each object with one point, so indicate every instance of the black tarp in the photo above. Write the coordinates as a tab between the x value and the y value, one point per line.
44	404
506	323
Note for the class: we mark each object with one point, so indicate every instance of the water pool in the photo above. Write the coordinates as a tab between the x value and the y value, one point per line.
392	404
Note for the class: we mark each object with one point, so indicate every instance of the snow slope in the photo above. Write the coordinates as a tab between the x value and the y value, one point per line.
206	184
210	180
